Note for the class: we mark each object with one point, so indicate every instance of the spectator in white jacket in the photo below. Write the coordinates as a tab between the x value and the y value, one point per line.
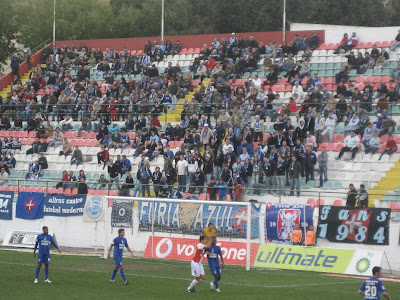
373	144
351	144
297	92
329	128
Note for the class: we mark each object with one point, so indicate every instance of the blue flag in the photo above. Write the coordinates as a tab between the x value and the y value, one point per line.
6	200
30	205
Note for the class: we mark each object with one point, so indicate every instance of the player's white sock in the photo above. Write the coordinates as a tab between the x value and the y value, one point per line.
193	284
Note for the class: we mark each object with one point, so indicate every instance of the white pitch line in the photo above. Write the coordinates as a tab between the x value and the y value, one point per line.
188	279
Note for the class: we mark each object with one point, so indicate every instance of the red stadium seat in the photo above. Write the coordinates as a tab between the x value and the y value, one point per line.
378	44
339	138
376	79
339	147
319	202
196	51
360	45
385	44
323	46
189	51
139	52
184	51
203	196
311	201
395	206
338	203
331	46
369	44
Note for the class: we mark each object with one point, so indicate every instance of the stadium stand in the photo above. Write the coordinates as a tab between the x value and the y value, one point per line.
238	89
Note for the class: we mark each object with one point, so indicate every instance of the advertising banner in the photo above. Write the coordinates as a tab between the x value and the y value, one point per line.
6	200
280	220
234	253
22	238
317	259
341	224
121	214
61	205
192	218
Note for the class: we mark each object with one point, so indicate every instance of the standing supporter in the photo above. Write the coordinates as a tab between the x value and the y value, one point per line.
351	196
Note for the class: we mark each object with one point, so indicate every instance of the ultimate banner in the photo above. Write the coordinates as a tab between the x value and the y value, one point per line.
341	224
280	220
121	214
191	218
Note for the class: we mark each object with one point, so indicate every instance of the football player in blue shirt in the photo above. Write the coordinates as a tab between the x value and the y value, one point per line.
43	242
213	254
373	287
119	243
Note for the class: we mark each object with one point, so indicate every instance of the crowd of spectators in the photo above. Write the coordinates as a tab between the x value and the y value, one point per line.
224	145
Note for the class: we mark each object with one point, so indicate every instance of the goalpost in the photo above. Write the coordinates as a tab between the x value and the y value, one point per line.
170	228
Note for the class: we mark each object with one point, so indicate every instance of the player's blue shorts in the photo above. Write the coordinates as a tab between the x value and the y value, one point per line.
215	270
118	261
43	258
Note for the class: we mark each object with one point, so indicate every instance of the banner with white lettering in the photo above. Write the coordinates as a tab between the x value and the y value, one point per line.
121	214
342	224
6	200
61	205
191	218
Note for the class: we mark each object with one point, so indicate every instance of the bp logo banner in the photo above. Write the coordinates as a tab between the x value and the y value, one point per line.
354	225
6	200
191	218
280	220
30	205
121	214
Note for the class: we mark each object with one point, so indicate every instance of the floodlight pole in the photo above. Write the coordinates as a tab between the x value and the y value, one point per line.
54	24
162	20
284	21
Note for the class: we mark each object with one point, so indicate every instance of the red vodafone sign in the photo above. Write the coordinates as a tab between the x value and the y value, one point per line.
234	253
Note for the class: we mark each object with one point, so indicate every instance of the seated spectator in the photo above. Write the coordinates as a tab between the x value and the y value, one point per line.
77	157
372	144
342	76
3	177
101	183
388	126
57	138
390	148
352	124
176	194
351	43
82	187
64	178
396	43
11	162
368	134
127	186
30	170
103	156
350	145
43	161
66	123
66	148
272	78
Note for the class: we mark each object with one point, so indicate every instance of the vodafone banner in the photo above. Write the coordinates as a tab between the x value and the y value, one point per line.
234	253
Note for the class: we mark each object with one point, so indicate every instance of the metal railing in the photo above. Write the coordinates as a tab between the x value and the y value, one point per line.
139	189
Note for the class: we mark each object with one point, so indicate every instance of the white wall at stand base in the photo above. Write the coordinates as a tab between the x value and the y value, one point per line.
73	232
334	33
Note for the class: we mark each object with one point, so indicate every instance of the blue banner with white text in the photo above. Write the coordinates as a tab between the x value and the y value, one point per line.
61	205
192	218
6	200
280	220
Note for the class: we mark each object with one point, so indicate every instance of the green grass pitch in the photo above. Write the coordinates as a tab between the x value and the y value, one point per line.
87	277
